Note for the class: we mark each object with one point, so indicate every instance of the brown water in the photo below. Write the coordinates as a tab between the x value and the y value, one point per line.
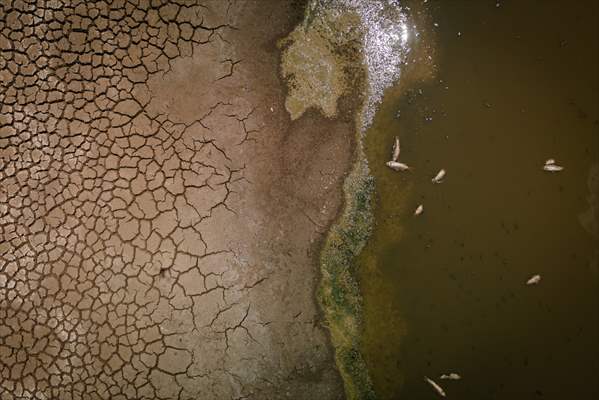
445	292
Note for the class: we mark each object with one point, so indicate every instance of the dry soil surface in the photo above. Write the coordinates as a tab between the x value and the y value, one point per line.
160	215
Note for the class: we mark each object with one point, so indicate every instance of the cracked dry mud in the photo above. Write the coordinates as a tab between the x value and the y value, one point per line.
159	224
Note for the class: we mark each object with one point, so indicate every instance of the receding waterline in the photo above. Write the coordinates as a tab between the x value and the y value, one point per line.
351	48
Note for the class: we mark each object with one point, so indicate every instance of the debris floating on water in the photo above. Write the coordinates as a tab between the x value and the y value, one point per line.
419	210
435	386
397	166
386	45
396	149
451	376
439	177
534	280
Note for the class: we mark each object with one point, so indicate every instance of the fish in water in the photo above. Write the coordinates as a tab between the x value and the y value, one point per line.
396	149
451	376
435	386
550	161
534	280
397	166
419	210
552	167
439	177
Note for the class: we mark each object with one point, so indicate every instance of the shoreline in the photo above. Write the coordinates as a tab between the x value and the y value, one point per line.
339	294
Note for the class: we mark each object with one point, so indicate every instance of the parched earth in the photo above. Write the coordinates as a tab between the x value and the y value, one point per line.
160	216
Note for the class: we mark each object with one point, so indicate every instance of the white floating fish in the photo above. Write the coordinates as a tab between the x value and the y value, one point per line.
451	376
550	161
439	177
397	166
534	280
396	149
419	210
552	167
435	386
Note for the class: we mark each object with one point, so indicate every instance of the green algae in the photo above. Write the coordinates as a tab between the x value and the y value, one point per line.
321	62
339	294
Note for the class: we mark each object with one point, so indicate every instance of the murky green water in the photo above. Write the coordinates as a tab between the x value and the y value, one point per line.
445	291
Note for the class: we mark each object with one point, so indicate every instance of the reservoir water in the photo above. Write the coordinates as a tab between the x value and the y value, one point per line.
516	84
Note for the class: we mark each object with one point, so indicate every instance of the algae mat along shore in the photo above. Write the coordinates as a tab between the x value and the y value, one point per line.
516	84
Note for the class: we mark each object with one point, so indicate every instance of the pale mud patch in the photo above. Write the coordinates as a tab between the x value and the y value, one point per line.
313	64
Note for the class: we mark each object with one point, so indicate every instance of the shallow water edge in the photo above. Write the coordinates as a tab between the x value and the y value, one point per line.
318	55
349	49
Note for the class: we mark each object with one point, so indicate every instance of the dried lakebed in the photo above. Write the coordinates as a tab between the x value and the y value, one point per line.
160	214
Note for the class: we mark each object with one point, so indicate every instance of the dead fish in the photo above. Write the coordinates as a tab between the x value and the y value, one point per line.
550	161
552	167
534	280
396	148
419	210
437	388
439	177
451	376
397	166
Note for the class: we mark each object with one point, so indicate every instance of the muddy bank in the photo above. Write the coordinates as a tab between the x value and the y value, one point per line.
354	49
160	212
